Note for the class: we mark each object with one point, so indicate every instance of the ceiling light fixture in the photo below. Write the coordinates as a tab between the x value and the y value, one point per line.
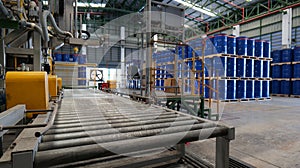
93	5
197	8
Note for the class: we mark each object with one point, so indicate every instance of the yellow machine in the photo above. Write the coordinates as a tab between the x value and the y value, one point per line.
30	88
59	83
52	83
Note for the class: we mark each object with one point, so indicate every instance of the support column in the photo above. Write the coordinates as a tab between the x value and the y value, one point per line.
37	53
222	152
148	49
287	28
123	69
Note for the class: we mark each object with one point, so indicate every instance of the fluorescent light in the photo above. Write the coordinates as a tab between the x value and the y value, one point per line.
93	5
197	8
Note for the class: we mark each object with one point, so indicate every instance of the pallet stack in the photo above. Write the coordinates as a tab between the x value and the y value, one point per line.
238	68
286	72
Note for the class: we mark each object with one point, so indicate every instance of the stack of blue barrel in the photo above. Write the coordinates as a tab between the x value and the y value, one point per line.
82	59
286	71
165	65
65	57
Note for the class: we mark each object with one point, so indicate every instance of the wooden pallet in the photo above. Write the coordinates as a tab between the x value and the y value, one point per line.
280	95
263	99
246	99
264	79
295	96
281	63
296	62
295	79
247	57
247	78
281	79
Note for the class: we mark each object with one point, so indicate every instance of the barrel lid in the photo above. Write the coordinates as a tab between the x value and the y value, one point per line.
259	41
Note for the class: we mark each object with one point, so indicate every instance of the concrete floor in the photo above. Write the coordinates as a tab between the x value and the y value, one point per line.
267	133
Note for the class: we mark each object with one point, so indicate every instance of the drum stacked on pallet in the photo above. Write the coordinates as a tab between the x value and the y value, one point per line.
238	68
286	72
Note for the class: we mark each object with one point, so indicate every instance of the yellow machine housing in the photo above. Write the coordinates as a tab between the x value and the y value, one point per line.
30	88
59	83
52	83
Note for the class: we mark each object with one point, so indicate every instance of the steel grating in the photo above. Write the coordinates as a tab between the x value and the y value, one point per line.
93	126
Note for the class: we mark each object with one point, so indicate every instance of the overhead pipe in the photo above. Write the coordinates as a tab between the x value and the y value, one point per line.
34	26
4	10
47	15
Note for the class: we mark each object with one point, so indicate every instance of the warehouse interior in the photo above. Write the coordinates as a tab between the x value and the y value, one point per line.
144	83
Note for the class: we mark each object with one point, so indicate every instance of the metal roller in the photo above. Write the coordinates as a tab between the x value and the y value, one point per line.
68	155
115	121
71	135
111	117
141	122
110	135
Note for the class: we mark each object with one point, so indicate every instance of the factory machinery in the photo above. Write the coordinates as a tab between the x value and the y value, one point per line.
97	129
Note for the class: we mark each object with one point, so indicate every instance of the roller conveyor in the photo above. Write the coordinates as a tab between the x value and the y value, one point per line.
101	129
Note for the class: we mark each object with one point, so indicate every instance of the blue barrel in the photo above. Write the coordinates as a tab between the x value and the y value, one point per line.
219	66
241	89
276	71
285	87
82	59
231	45
266	69
179	69
266	49
241	45
250	89
163	71
231	89
66	57
296	71
265	89
220	42
221	88
249	68
297	53
157	72
241	67
57	57
250	47
258	89
286	55
231	67
189	52
286	71
157	83
259	48
179	50
81	74
258	67
296	87
196	84
198	67
276	55
187	86
75	57
276	87
209	46
162	83
206	89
